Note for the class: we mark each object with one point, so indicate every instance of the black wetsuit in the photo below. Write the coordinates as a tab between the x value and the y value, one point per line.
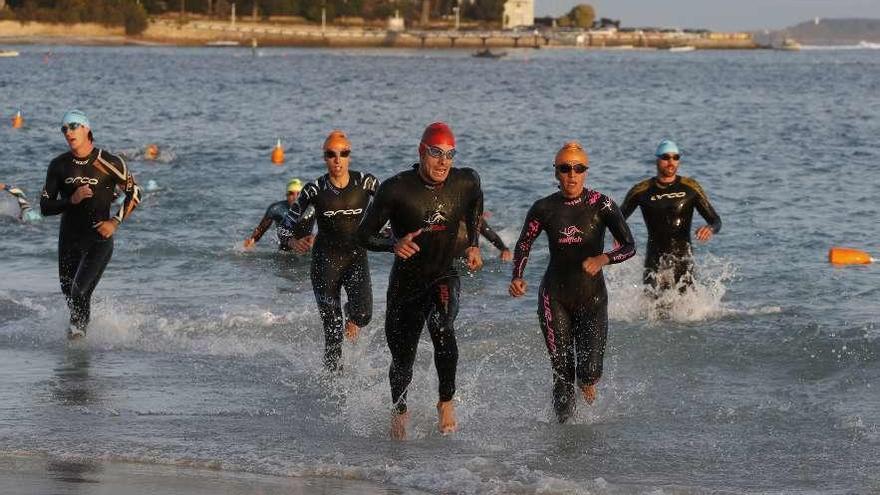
82	252
668	211
274	214
573	305
425	286
337	259
462	242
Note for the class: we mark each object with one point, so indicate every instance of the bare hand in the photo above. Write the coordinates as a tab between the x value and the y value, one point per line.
81	193
704	233
249	243
506	255
474	259
406	247
106	228
303	245
594	264
517	287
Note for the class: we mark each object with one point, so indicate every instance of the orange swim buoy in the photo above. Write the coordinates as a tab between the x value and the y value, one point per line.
17	120
278	153
151	152
848	256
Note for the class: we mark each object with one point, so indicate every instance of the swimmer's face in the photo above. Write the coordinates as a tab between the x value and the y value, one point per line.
572	174
292	196
667	166
436	161
75	134
337	157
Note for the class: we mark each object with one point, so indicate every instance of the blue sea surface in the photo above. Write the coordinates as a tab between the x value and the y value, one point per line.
762	380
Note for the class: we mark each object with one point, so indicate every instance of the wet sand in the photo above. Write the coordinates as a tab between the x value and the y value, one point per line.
35	475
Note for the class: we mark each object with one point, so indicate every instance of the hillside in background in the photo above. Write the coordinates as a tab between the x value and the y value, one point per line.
834	31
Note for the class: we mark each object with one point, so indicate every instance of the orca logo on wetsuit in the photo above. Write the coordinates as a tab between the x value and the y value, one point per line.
81	180
435	221
570	235
331	213
658	197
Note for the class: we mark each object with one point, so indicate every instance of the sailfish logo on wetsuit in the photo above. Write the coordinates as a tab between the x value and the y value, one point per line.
570	235
435	221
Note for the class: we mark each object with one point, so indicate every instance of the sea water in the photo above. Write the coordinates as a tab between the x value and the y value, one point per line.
764	378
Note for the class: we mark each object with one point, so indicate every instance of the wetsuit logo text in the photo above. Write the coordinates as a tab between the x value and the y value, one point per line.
331	213
81	180
570	235
658	197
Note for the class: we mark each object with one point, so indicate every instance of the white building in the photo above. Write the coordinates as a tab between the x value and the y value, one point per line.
518	13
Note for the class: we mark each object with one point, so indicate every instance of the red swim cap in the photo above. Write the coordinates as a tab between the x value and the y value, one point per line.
436	133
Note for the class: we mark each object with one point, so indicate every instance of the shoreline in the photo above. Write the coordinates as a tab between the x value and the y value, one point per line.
23	474
242	34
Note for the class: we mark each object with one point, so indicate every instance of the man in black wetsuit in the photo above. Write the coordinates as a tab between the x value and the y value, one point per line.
339	199
425	206
572	299
275	214
667	202
80	185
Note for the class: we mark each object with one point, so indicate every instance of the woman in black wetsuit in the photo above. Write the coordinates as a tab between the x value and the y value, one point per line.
339	198
572	300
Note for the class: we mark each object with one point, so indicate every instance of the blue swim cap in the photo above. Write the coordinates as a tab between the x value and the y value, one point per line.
666	146
77	116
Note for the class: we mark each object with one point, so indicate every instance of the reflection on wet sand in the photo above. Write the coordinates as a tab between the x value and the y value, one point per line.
72	385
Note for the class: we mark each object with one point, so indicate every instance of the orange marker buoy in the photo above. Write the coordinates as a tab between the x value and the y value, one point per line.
151	152
848	256
17	120
278	153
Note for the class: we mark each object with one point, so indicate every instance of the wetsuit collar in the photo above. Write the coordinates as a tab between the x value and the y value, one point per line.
85	160
664	185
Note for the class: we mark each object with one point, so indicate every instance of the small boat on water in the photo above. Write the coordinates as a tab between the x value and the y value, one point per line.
8	53
222	43
685	48
487	53
791	45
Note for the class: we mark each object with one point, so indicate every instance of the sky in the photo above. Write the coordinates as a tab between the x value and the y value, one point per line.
717	15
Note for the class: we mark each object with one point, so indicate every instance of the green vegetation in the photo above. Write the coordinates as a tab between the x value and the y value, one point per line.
580	16
127	13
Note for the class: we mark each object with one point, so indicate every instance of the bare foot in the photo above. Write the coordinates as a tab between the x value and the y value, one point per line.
351	331
446	413
399	423
589	393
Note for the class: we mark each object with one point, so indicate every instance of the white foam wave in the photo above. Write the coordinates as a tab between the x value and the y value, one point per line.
862	45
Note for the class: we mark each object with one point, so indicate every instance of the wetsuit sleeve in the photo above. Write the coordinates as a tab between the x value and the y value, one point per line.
378	213
490	234
474	213
530	231
615	222
50	203
629	203
264	225
296	220
116	168
370	184
705	207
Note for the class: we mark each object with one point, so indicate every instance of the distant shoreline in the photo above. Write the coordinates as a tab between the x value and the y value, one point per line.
201	33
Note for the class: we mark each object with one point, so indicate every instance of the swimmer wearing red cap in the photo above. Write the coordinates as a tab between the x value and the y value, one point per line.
425	206
668	202
572	300
339	199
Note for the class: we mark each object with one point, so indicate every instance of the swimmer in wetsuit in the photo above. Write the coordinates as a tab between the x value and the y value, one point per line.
339	199
462	242
275	214
667	202
572	299
80	185
425	206
25	213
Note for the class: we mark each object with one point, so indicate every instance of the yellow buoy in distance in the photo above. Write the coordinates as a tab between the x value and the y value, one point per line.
17	120
848	256
278	153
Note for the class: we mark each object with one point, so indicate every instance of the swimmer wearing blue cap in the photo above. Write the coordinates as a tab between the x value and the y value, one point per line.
667	202
275	214
80	186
